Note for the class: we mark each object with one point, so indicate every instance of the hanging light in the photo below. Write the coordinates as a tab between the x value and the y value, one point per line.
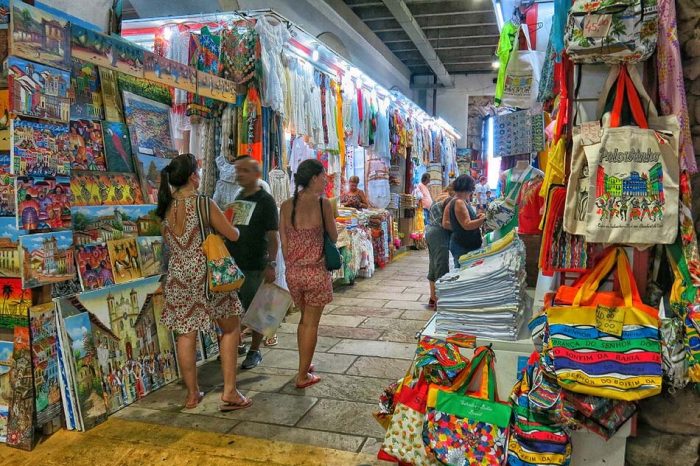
495	64
314	55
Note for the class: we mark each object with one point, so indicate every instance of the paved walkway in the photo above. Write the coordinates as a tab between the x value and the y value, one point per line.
366	339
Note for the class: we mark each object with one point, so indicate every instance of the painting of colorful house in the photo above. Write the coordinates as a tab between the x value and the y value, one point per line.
47	258
36	35
42	326
40	148
10	259
106	223
85	91
38	91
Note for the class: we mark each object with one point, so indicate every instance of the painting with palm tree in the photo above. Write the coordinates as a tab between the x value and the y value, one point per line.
14	303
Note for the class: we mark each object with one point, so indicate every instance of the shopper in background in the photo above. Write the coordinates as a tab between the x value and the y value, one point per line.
354	197
304	218
438	240
461	219
187	310
489	197
256	249
480	192
424	196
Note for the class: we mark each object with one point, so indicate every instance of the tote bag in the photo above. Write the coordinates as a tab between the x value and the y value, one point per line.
522	80
633	194
606	345
267	310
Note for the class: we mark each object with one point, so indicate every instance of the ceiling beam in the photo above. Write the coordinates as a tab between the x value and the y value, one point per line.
409	24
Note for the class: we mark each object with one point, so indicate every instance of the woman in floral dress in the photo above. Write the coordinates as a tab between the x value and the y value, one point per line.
187	309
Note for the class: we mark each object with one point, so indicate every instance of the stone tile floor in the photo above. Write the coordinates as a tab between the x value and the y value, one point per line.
366	340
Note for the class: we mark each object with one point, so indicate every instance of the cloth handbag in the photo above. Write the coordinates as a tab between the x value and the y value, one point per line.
611	31
633	194
464	427
522	79
223	275
606	343
503	210
602	416
267	310
330	250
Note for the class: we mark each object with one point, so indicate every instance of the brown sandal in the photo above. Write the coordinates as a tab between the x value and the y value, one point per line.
192	405
227	406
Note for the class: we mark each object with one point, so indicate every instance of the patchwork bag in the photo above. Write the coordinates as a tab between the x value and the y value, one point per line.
606	343
223	275
611	31
468	428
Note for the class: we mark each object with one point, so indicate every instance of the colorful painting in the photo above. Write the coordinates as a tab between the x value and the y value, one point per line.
85	91
38	91
4	11
5	133
124	256
86	145
40	148
210	341
10	260
36	35
5	162
87	381
14	303
43	203
42	326
215	87
5	386
149	126
117	147
110	96
8	202
144	88
151	255
168	72
100	188
97	224
149	169
47	258
106	51
20	425
94	266
135	353
4	41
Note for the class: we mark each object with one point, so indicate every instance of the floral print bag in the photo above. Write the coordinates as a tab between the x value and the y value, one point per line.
467	428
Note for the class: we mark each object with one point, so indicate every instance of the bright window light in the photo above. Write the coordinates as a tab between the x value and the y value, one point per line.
494	163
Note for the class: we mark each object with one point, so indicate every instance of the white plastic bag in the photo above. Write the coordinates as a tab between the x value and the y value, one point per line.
267	310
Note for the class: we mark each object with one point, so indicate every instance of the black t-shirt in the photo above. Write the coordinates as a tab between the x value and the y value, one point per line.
250	251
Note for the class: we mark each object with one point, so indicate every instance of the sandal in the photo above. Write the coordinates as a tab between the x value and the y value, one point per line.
228	406
314	379
432	303
272	341
192	405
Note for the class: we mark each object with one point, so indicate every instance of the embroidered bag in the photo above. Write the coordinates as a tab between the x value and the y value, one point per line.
611	31
223	274
468	428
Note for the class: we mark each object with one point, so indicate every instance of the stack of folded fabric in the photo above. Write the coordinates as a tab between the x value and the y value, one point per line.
487	296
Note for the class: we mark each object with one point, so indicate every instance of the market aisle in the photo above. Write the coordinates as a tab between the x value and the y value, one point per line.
366	340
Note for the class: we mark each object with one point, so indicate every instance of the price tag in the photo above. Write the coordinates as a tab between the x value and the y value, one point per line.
610	319
596	26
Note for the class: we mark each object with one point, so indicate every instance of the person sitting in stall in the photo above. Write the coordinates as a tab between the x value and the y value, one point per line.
354	197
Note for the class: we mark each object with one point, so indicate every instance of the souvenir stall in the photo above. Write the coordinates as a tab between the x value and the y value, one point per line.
610	322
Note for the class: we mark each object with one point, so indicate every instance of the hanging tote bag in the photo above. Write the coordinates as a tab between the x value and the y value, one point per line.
330	250
633	194
522	81
223	275
611	31
606	344
468	428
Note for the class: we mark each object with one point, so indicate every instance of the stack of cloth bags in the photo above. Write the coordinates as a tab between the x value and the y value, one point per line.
487	296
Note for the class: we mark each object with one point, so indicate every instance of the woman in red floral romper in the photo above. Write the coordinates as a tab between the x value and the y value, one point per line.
302	220
187	309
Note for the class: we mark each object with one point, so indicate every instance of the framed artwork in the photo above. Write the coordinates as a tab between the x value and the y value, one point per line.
5	134
43	203
106	51
209	85
4	11
20	425
47	392
85	91
151	255
124	257
47	258
97	224
145	88
38	91
94	266
39	36
149	126
40	148
5	162
16	301
8	200
110	95
10	262
5	392
86	145
4	41
117	147
149	169
105	188
168	72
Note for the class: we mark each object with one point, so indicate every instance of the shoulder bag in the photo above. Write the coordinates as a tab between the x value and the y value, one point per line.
522	80
330	250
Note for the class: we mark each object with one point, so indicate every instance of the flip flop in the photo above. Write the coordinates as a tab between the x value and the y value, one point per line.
272	341
228	406
312	367
190	405
314	379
